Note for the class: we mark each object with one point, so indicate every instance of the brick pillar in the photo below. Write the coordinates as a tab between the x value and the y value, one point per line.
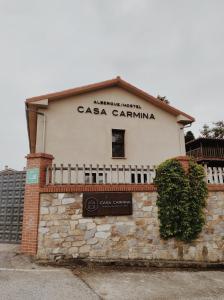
35	179
184	160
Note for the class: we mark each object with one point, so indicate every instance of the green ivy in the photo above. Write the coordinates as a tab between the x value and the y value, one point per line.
181	199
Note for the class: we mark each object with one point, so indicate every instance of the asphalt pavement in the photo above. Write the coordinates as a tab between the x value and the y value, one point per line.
21	279
154	284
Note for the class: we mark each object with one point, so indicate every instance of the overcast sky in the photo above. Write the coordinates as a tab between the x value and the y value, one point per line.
168	47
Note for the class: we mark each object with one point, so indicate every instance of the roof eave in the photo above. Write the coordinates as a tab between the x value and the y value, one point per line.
186	122
33	102
110	83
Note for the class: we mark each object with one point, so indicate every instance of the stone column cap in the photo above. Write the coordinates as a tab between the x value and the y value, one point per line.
40	155
182	158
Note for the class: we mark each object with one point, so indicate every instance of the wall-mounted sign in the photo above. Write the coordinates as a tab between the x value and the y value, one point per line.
119	104
32	176
115	113
106	204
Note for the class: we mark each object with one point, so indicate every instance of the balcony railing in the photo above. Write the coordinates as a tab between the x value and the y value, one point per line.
207	152
89	174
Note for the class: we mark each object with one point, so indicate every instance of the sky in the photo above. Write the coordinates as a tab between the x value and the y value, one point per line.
172	48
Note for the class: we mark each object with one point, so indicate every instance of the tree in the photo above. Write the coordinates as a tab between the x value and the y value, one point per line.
206	131
163	99
189	136
216	132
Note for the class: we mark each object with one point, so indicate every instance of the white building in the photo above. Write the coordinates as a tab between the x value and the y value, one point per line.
107	123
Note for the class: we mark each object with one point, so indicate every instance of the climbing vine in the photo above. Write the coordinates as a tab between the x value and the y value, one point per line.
181	199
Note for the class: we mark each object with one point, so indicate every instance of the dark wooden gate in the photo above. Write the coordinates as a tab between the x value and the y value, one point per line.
12	185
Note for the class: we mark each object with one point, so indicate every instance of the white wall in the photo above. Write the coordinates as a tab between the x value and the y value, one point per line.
74	137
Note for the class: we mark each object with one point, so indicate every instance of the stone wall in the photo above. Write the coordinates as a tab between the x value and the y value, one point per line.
64	233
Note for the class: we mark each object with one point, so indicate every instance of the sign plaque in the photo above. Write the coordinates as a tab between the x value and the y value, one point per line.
32	176
106	204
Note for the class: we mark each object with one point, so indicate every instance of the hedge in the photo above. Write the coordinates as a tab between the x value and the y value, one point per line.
181	199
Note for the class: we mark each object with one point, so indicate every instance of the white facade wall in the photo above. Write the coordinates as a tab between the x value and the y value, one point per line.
73	137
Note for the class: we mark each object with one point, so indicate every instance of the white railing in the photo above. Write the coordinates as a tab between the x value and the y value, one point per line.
89	174
214	175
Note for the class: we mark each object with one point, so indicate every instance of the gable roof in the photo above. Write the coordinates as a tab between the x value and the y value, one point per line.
42	101
106	84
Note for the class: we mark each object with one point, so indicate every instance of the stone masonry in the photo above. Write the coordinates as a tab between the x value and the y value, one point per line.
64	233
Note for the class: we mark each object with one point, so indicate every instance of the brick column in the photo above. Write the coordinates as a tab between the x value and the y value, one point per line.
35	179
184	160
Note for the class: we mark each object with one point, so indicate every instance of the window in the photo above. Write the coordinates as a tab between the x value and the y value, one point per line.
118	143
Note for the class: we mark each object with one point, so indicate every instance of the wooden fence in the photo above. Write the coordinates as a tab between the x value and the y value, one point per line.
207	152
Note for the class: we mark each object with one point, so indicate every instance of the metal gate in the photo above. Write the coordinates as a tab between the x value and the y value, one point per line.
12	185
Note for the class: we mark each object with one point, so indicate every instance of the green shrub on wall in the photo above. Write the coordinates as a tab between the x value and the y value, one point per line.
181	199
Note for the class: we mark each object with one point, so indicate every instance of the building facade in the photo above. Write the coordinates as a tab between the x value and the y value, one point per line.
102	206
108	123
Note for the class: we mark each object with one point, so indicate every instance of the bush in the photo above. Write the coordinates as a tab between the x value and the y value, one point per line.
181	199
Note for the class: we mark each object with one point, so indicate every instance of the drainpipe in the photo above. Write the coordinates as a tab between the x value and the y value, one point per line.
44	132
182	128
44	127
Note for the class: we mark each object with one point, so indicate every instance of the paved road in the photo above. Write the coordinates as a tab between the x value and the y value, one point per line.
20	279
155	285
